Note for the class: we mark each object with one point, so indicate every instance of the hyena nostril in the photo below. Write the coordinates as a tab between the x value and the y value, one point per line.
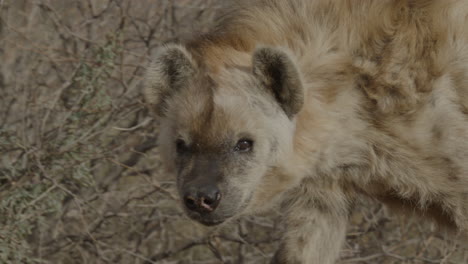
190	202
205	201
210	202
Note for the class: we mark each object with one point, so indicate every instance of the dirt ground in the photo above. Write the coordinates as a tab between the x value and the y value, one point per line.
80	178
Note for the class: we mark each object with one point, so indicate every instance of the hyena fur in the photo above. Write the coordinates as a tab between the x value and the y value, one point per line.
313	103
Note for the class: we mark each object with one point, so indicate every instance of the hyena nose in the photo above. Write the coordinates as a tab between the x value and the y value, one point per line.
203	200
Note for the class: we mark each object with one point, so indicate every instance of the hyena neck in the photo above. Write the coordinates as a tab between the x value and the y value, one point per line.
231	48
326	118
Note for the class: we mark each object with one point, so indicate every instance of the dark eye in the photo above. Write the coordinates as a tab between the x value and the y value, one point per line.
181	146
244	145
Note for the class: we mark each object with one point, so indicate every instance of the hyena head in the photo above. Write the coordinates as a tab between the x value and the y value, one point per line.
221	132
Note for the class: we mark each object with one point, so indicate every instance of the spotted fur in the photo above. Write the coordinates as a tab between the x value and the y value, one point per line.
341	98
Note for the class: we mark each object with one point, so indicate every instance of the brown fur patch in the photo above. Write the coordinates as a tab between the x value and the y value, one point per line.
410	206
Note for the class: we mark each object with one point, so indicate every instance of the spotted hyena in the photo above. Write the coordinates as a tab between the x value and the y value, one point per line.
312	103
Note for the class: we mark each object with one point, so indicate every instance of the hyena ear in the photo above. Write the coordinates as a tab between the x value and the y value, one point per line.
278	73
171	70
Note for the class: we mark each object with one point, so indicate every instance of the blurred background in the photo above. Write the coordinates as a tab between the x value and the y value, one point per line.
80	177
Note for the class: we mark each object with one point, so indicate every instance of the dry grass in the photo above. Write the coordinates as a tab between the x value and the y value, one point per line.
80	180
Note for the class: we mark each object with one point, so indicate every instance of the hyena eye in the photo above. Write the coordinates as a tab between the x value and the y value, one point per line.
244	145
181	146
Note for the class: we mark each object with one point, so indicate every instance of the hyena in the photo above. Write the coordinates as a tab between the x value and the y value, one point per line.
313	103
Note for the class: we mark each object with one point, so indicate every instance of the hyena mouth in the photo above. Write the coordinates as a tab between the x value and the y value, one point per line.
213	219
207	220
211	223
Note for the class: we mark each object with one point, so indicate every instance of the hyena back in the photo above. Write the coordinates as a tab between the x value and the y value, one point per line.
314	103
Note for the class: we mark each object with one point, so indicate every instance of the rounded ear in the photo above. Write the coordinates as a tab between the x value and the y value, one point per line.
172	69
278	73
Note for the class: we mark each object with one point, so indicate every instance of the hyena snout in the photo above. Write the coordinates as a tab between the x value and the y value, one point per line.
202	199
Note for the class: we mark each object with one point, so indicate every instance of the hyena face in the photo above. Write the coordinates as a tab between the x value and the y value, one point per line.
221	133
